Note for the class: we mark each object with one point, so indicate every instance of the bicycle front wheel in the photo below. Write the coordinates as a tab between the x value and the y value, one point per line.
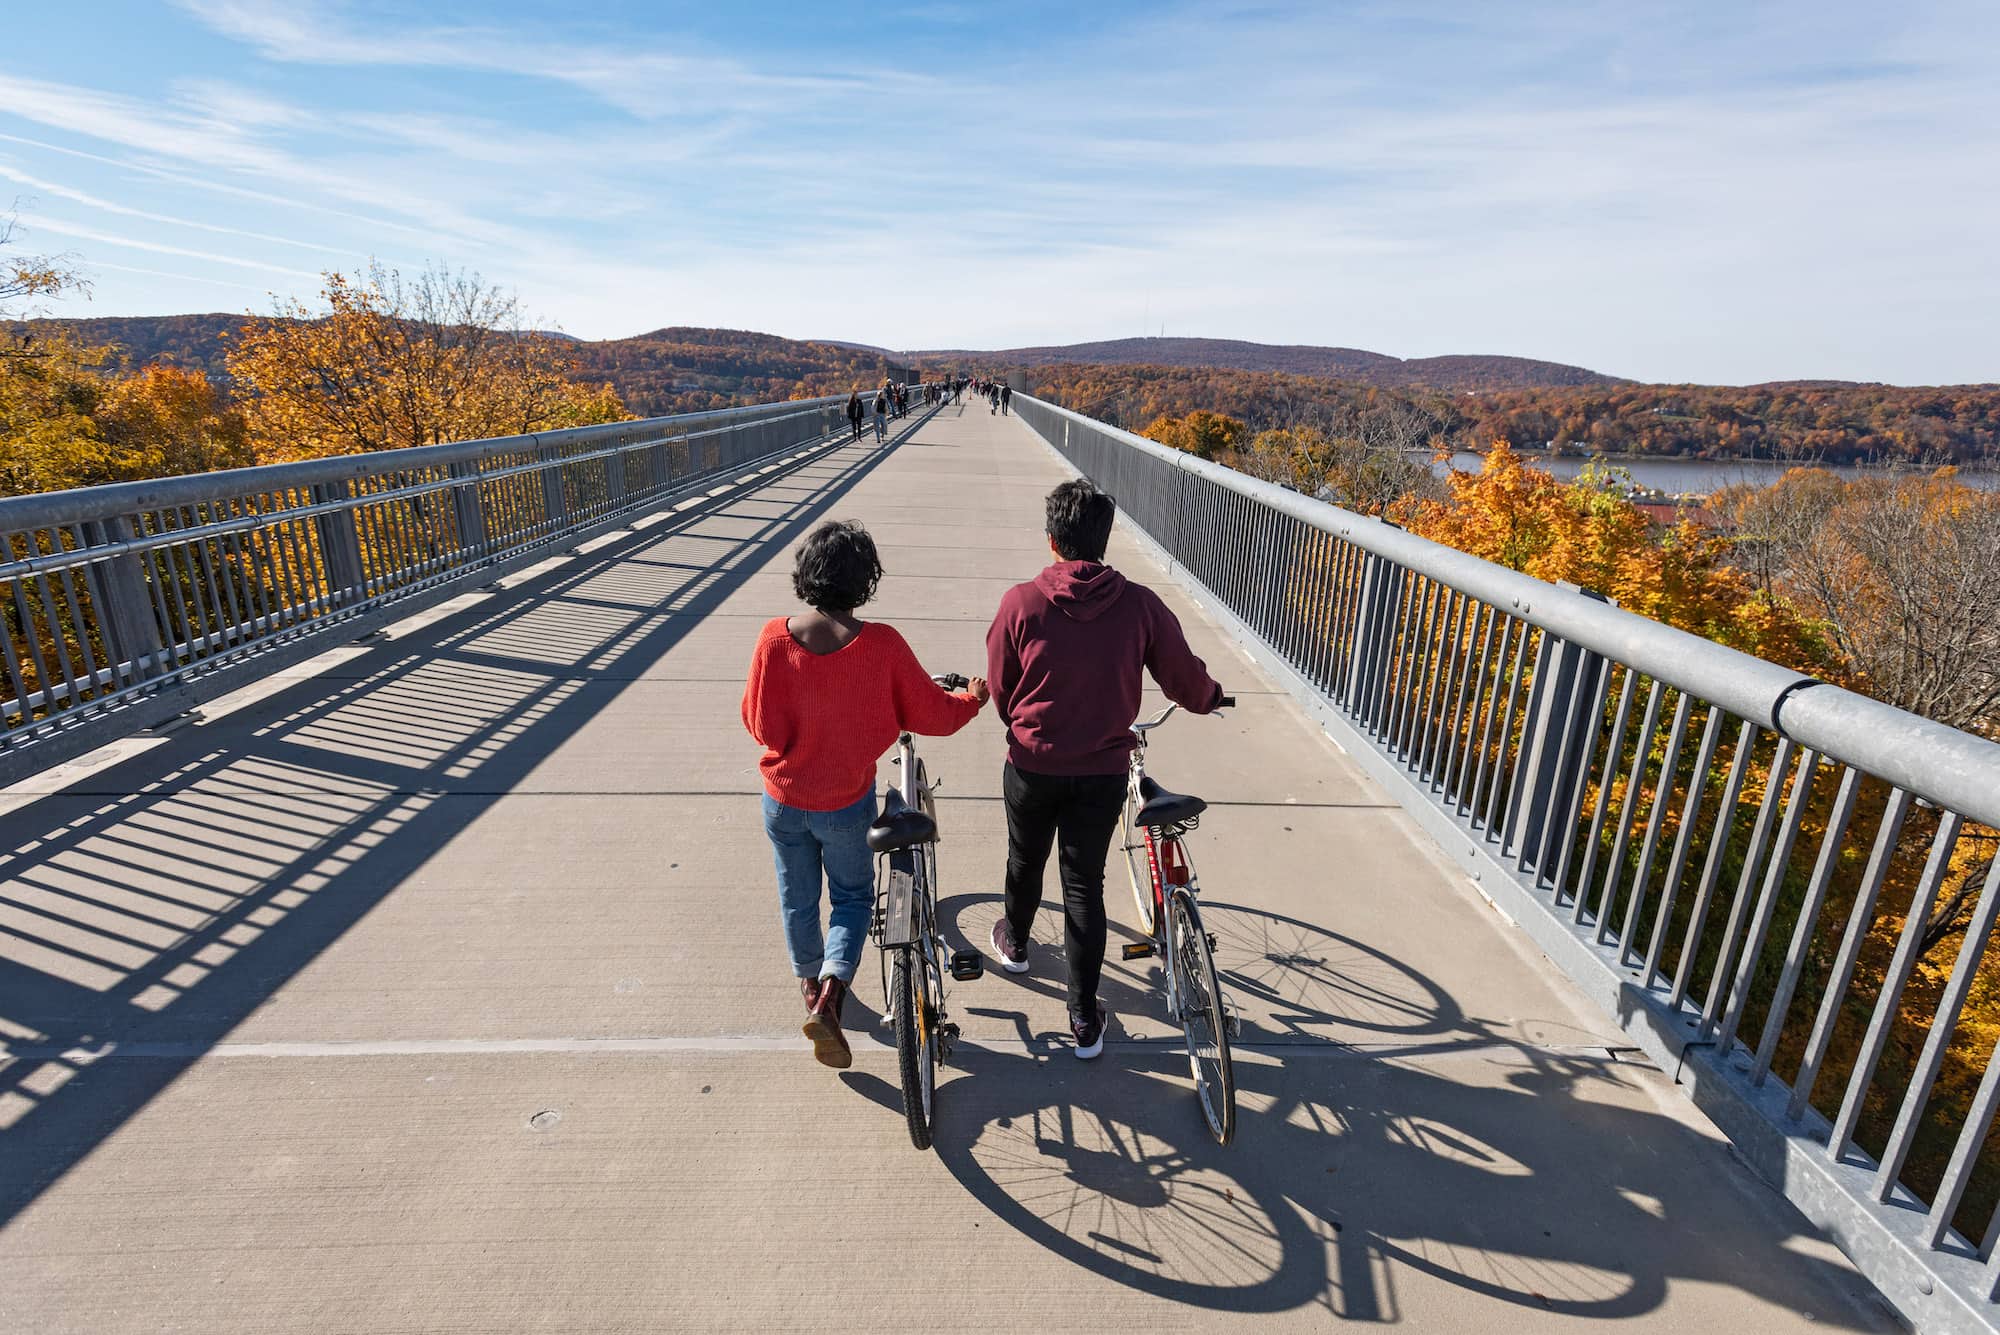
1204	1022
914	1008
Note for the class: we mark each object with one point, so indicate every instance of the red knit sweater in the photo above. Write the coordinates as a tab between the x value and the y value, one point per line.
825	719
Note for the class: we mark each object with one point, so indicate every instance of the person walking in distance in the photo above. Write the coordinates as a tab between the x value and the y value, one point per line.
881	415
827	694
1064	658
855	412
1006	400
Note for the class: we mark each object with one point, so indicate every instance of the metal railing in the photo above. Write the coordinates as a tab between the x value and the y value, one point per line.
1740	863
129	604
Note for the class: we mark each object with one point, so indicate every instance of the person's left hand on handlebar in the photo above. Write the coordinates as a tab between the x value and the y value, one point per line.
977	689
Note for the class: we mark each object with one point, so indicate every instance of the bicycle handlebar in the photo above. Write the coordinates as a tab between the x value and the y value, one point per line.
951	681
1142	728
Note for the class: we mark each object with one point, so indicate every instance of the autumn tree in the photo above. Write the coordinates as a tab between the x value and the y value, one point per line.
1904	572
1586	532
1204	434
390	362
167	420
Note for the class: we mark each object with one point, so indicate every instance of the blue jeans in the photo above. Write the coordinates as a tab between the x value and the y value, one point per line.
807	843
881	426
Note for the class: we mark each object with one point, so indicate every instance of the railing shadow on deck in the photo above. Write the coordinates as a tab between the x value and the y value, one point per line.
149	908
1537	1177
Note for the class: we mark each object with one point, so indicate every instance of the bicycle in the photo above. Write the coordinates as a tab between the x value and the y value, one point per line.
905	927
1165	889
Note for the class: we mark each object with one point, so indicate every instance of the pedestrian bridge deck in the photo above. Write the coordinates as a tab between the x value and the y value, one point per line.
438	985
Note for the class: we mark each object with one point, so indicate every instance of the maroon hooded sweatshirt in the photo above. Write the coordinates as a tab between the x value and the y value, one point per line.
1063	659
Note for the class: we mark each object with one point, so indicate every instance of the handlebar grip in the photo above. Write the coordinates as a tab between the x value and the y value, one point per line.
1226	702
952	681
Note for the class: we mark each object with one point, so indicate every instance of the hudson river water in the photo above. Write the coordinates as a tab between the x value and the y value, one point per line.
1701	476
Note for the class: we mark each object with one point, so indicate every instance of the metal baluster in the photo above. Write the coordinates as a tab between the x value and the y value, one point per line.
1767	902
1613	752
1719	837
1802	931
1964	972
1614	869
1842	974
1663	792
1711	733
1891	994
1572	809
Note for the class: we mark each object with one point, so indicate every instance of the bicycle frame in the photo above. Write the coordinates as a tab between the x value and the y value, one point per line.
1167	865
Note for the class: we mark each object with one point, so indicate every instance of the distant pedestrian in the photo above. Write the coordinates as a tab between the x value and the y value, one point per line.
1006	400
881	415
855	412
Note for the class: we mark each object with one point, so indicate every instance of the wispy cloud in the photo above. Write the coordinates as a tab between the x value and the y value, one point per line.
1742	192
72	230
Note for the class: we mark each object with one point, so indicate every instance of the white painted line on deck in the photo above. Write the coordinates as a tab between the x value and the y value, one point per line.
1439	1046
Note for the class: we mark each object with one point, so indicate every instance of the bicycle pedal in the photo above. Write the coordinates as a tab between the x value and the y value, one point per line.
949	1032
1211	943
1138	950
967	965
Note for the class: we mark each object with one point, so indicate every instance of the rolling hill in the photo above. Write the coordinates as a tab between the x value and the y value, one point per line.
1455	374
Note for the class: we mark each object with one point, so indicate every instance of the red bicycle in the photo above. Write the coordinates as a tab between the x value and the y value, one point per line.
1165	889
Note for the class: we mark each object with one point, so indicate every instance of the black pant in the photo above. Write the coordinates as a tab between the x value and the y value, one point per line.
1078	814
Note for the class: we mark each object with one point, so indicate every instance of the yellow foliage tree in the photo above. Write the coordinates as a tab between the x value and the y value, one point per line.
50	392
390	363
167	420
1201	433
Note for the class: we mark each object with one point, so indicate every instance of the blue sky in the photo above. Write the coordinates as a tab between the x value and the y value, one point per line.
1698	191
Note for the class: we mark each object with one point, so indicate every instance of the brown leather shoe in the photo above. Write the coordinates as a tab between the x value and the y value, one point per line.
809	988
823	1026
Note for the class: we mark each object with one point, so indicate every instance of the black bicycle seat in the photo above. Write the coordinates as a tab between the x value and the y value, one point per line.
899	826
1165	808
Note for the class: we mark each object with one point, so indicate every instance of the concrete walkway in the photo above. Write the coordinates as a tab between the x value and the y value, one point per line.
439	987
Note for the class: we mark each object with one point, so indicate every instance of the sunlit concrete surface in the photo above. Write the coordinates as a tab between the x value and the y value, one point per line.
438	986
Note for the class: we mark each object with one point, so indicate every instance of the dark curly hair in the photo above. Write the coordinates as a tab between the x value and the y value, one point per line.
837	568
1079	520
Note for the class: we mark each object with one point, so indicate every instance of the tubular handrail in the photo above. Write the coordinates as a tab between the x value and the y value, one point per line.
1704	842
128	603
1940	764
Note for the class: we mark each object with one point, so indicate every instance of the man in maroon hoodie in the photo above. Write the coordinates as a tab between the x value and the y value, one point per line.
1064	657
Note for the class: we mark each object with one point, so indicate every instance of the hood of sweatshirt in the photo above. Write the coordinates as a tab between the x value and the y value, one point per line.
1081	590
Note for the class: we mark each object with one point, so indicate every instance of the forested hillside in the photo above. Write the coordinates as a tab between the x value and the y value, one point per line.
667	371
685	370
1454	373
1826	421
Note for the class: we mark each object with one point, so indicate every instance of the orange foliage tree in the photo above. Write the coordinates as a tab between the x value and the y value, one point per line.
1586	533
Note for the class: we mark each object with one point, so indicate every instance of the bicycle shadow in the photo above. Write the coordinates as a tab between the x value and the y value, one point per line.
1537	1178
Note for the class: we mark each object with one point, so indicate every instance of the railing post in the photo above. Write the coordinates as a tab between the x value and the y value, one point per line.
471	516
117	587
340	544
614	476
1555	738
1381	593
553	500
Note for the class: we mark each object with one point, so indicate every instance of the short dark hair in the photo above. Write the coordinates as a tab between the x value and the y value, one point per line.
837	568
1080	519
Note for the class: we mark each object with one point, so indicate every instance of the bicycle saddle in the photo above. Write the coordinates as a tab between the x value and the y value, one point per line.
1165	808
899	826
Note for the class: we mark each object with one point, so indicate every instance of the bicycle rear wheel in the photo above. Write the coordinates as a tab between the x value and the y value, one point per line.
914	1006
1204	1022
1139	868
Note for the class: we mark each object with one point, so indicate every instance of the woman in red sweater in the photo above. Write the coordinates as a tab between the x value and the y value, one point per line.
827	695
